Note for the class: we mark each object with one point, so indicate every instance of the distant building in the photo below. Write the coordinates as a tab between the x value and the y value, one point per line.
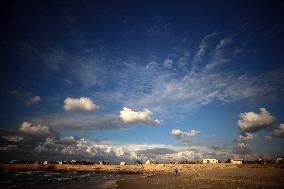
209	161
148	162
45	162
137	162
122	163
237	161
73	161
280	160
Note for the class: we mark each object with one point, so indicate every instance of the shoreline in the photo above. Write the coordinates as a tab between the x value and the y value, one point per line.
221	175
130	169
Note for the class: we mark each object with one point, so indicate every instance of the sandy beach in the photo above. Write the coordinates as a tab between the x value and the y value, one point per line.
197	176
232	178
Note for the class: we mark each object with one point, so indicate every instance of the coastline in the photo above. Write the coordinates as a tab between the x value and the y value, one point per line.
221	175
129	169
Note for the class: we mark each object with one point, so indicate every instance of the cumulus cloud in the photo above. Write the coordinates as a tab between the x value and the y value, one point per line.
29	128
252	122
279	132
245	137
129	116
242	145
119	152
82	104
181	134
33	100
242	148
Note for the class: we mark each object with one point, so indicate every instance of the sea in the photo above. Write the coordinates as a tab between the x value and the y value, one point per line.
58	180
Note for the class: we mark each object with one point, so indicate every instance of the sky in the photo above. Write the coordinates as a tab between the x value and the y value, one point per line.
138	80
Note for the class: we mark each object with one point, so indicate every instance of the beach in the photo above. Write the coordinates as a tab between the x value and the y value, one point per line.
231	178
197	176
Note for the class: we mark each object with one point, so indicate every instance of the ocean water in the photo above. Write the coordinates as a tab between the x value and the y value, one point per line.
58	180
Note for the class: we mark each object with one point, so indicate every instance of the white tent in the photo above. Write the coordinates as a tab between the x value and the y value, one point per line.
148	162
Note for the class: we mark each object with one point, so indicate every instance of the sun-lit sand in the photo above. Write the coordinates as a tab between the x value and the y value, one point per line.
219	175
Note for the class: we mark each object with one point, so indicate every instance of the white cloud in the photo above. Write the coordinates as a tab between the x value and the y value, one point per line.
251	121
245	137
82	104
181	134
129	116
202	48
29	128
182	61
279	132
13	138
119	152
33	100
218	53
242	148
168	62
82	122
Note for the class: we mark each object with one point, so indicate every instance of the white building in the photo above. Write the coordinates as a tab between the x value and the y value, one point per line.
45	162
279	160
122	163
237	161
148	162
209	161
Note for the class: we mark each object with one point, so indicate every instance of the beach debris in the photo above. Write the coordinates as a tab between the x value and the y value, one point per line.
176	171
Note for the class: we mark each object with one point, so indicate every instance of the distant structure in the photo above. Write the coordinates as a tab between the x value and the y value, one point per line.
148	162
209	161
237	161
280	160
123	163
137	162
45	162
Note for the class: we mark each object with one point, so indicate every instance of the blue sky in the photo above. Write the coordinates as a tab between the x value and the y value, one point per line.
127	80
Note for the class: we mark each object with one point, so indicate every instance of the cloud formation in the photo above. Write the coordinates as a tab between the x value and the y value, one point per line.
242	148
129	116
13	138
168	62
29	128
252	122
33	100
245	137
82	104
279	132
82	122
181	134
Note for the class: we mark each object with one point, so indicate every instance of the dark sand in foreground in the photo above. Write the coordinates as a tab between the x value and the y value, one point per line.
235	178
